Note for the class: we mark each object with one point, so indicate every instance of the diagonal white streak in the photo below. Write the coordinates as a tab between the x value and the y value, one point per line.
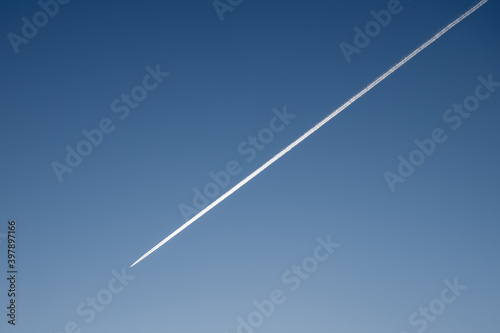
312	130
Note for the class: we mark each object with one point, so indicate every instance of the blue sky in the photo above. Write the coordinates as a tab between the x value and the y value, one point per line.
225	79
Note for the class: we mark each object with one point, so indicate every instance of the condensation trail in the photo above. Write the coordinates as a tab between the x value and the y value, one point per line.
312	130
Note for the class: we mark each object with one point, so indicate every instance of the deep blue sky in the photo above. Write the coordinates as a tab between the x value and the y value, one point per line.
225	80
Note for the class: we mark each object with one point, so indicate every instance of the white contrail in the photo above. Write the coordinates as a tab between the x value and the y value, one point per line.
312	130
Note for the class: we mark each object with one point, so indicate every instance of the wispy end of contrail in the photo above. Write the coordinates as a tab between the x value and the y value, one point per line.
312	130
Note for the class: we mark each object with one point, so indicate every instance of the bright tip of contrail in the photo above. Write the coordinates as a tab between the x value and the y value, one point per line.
314	129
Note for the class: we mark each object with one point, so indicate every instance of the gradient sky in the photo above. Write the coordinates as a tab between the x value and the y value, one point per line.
225	80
